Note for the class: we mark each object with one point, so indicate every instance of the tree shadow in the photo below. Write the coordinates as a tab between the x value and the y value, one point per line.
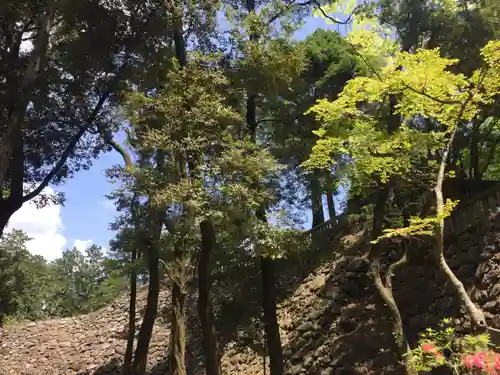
238	315
344	334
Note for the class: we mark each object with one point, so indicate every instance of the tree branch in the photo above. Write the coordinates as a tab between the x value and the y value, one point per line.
69	149
71	146
108	139
334	20
423	93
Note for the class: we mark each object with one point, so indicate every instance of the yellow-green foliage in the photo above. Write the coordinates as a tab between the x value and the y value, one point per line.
352	125
373	42
424	86
419	226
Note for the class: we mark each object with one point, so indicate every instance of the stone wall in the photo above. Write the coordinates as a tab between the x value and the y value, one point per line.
347	330
331	318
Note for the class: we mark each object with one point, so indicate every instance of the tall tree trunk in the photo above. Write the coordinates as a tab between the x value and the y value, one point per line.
205	312
178	325
141	351
329	197
474	172
21	98
271	326
177	356
318	216
127	360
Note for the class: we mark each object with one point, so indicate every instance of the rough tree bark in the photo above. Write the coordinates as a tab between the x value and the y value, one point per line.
205	312
178	325
127	360
152	255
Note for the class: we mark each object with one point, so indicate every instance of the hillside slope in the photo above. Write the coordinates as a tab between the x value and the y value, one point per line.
331	320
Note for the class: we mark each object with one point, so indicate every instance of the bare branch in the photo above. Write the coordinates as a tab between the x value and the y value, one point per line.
69	149
334	20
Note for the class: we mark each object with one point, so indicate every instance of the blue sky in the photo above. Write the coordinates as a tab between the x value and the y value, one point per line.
86	215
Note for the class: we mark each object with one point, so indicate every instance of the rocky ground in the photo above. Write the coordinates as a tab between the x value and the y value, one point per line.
320	319
330	318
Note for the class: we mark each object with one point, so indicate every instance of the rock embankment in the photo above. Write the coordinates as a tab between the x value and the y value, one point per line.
331	320
77	345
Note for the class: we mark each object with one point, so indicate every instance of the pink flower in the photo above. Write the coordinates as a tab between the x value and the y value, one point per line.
468	361
492	362
497	361
479	359
429	348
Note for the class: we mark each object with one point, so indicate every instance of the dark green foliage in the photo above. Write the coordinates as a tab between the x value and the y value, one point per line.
32	288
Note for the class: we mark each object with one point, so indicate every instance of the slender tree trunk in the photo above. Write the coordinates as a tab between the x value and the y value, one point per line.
475	313
141	351
318	216
127	361
205	312
178	321
177	356
331	204
385	291
271	327
329	197
474	172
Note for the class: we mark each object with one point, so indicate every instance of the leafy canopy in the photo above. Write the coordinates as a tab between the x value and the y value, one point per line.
426	89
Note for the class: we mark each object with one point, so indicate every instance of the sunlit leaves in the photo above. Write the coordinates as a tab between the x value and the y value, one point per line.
373	42
425	87
419	226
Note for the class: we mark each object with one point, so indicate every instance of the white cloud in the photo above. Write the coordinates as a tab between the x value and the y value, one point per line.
82	245
43	225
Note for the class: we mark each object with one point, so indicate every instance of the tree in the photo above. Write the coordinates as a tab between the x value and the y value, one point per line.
460	30
330	64
33	289
82	283
57	100
426	88
24	279
264	61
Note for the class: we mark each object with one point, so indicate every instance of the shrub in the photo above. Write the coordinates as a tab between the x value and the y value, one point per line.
466	354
